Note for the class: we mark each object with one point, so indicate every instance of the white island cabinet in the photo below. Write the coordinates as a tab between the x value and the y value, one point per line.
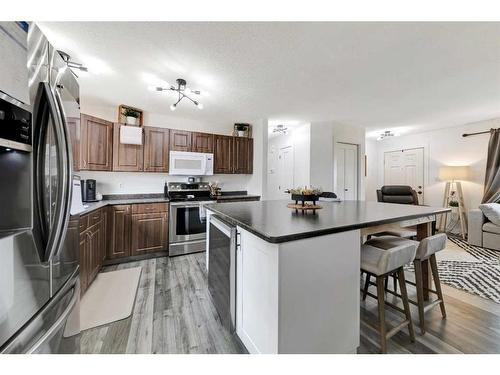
298	296
297	275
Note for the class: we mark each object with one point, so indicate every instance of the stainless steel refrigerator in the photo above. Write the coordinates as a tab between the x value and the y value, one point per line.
39	247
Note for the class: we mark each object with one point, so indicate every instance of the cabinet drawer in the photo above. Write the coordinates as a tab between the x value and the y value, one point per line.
147	208
84	222
95	217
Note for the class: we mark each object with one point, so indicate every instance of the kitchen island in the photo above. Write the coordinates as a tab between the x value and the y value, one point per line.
297	274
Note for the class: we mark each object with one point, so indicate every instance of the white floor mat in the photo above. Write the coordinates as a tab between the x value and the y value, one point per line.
110	298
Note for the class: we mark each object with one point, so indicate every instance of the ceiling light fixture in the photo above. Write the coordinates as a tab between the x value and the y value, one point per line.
181	89
280	129
71	64
386	134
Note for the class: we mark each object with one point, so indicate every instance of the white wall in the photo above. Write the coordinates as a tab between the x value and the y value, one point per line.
143	183
137	182
299	139
324	135
302	155
441	147
314	157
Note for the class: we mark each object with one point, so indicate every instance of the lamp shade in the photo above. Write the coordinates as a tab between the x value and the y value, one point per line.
450	173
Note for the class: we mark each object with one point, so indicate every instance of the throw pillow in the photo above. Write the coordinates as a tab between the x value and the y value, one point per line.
491	211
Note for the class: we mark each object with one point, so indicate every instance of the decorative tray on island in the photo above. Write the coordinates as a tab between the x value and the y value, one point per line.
305	199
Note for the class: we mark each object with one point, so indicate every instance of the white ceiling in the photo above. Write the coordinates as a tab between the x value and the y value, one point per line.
412	76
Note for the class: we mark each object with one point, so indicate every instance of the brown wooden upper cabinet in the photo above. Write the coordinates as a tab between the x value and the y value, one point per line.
126	158
156	149
74	135
223	153
202	142
233	155
180	140
242	161
96	149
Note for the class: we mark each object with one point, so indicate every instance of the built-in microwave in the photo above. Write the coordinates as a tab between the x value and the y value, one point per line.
191	163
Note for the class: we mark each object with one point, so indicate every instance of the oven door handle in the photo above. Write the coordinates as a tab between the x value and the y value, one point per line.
190	204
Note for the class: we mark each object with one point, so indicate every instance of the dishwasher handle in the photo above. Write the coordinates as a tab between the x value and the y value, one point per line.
221	225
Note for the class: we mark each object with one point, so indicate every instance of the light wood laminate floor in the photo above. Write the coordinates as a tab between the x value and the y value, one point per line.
173	313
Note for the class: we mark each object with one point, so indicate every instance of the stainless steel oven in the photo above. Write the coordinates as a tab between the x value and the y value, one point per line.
187	227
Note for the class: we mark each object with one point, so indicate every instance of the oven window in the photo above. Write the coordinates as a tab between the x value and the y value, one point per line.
189	221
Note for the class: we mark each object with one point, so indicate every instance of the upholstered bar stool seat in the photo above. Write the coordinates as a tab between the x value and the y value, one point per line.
380	263
426	251
386	242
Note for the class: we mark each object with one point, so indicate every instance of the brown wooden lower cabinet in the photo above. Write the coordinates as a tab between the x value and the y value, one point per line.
92	246
83	262
137	229
118	241
149	233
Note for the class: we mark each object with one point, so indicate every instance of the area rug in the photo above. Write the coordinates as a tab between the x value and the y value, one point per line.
470	268
110	298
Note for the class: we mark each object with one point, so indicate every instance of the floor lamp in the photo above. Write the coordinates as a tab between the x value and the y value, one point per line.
453	193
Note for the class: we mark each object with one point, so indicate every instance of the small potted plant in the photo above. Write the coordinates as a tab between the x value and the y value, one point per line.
453	205
241	129
131	116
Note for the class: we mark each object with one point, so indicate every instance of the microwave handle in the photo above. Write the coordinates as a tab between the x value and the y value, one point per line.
204	166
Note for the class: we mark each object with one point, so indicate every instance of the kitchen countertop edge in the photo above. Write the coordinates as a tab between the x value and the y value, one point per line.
311	233
92	206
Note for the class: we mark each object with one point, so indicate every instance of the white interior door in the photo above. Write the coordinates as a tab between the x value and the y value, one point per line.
285	170
405	167
346	157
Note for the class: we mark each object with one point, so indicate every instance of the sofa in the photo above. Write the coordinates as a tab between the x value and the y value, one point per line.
483	232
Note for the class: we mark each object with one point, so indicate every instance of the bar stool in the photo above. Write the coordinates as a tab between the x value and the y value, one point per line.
426	250
381	263
386	242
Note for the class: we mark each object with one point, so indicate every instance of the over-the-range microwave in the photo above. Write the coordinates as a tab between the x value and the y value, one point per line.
191	163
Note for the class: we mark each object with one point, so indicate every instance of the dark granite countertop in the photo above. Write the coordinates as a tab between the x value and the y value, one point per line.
274	222
116	199
128	199
237	196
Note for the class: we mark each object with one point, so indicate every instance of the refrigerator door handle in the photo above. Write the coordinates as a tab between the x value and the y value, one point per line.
67	176
61	222
56	326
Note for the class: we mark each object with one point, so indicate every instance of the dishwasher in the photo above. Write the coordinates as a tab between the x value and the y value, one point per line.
222	270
